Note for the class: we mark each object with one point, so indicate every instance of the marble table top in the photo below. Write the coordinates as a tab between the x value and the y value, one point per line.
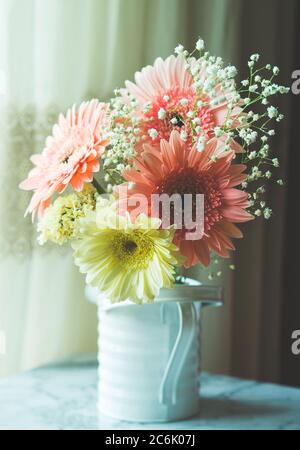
63	396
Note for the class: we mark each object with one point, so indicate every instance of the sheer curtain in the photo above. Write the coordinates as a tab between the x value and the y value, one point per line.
57	52
54	53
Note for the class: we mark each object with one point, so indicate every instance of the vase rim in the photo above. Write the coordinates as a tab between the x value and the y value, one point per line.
190	290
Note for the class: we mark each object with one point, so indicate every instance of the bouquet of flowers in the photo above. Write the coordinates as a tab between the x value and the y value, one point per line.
158	177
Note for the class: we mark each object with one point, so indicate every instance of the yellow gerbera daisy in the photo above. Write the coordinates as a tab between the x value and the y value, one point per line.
125	260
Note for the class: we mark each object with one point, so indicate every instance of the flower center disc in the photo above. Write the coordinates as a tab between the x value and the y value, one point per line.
132	249
177	103
130	246
188	181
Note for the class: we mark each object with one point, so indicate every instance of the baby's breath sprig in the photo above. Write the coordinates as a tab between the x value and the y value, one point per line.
215	89
259	88
124	135
217	268
256	129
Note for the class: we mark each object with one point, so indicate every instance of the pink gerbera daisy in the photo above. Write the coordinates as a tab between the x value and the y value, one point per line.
168	100
174	168
70	157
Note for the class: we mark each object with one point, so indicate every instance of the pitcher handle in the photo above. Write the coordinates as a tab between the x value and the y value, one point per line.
186	333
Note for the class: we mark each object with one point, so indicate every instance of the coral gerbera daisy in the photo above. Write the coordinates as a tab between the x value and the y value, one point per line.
125	260
70	157
174	168
169	99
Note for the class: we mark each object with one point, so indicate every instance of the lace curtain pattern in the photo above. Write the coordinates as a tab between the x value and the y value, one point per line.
23	133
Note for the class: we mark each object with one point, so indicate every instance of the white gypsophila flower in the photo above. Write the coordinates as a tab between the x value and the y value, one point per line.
197	84
131	185
179	49
272	112
147	107
242	120
231	71
209	84
161	113
201	144
218	131
195	69
261	190
184	135
275	162
267	213
252	155
134	102
117	92
216	72
253	88
200	44
254	57
184	101
248	135
245	83
284	90
153	133
264	151
215	101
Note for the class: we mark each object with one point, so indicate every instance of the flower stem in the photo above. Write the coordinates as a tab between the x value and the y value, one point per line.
98	187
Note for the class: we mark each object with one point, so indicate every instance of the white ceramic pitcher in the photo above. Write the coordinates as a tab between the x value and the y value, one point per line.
149	355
